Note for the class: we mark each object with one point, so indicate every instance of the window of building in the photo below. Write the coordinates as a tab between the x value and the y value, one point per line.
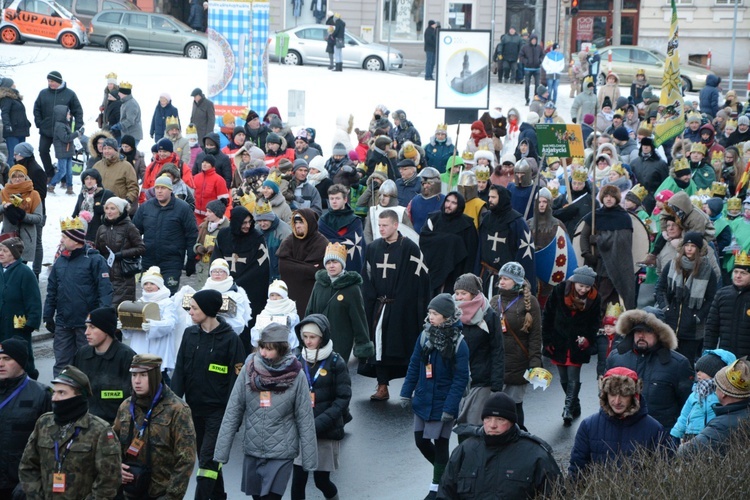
730	2
681	2
402	20
460	15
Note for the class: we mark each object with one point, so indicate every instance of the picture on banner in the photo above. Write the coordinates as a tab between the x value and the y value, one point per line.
560	140
463	69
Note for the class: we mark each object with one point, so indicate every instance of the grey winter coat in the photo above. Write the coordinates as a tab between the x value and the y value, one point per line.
719	430
584	103
278	432
26	230
130	118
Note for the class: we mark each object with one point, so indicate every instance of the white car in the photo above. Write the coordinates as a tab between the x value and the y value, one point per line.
307	45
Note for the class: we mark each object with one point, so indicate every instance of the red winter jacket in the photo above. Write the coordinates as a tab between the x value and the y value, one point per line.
209	186
152	172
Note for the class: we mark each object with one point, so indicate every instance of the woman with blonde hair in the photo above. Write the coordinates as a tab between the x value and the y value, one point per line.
21	208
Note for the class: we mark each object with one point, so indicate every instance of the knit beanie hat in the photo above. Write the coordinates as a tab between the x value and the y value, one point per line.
734	380
17	349
443	304
273	333
217	207
209	301
105	319
271	184
693	237
514	271
710	364
339	150
165	144
221	264
607	102
24	149
469	283
278	287
300	163
119	203
55	76
76	228
621	134
164	181
588	119
208	159
743	120
15	246
153	275
111	142
716	205
583	275
532	118
500	405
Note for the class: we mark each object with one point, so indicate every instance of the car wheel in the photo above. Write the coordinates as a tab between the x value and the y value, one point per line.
9	34
70	40
686	85
117	44
373	63
293	58
601	80
195	51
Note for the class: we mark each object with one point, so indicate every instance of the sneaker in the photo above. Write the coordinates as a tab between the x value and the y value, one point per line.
69	190
50	189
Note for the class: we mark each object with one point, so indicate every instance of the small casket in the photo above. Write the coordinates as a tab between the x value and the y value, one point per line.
228	305
133	314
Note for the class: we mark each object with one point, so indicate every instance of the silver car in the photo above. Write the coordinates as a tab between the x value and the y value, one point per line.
123	31
307	45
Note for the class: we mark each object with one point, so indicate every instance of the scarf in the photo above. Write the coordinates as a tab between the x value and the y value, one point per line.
472	311
87	199
213	226
443	338
512	126
704	388
222	286
25	190
160	294
609	115
574	302
694	287
312	356
69	410
278	378
282	307
478	137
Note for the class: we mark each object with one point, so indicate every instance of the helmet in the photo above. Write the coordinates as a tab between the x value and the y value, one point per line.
523	173
429	173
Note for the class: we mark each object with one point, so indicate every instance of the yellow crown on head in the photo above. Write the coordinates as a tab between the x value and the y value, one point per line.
69	224
680	165
734	204
742	259
613	310
617	167
482	172
731	124
247	200
111	76
639	191
362	167
717	155
19	321
580	174
335	250
621	112
126	85
736	377
262	208
275	177
191	129
552	160
577	160
172	120
694	116
697	147
524	32
640	71
381	169
467	156
442	127
703	193
718	189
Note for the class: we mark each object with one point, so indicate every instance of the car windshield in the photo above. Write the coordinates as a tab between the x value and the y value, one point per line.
301	28
62	9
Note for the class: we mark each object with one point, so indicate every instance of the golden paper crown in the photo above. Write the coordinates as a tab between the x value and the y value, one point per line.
718	189
262	208
587	80
410	151
69	224
335	250
524	32
739	378
639	191
742	259
172	120
680	165
467	156
620	112
731	124
734	204
552	159
247	200
640	71
548	174
111	76
613	310
381	169
275	177
19	322
577	160
482	172
442	127
697	147
191	129
362	167
717	155
580	174
126	85
617	167
705	192
697	201
693	116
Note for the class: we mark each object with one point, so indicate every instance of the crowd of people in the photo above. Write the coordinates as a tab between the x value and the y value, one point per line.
422	260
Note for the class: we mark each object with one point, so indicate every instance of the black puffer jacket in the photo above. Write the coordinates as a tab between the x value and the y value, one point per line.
100	198
728	324
15	122
531	55
122	237
19	417
332	391
561	326
46	102
718	432
486	352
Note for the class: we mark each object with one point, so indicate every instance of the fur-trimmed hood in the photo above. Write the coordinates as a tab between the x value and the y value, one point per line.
345	123
11	93
94	138
630	319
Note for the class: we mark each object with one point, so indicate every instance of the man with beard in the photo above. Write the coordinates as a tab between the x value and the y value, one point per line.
274	231
449	243
380	153
242	245
650	170
543	230
571	213
429	200
180	144
117	175
340	225
301	256
504	237
164	154
602	250
396	291
211	147
502	175
469	189
648	348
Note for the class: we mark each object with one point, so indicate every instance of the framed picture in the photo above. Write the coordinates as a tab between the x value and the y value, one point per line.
463	69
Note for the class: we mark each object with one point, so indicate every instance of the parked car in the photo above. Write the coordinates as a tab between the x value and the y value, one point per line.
626	60
41	20
85	10
123	31
307	45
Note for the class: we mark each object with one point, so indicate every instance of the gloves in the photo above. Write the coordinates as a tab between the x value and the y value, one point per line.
117	126
14	214
405	403
119	324
118	255
200	249
583	343
589	260
592	239
190	267
447	417
574	120
146	326
49	324
550	350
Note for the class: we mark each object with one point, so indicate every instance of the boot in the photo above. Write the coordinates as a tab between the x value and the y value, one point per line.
50	188
330	61
69	190
575	406
339	67
382	393
567	416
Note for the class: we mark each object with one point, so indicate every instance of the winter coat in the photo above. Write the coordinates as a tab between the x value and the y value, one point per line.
45	103
438	153
516	359
406	131
122	237
531	56
159	120
78	283
407	190
13	112
667	375
130	118
209	186
280	207
687	322
342	303
561	326
258	135
554	64
650	171
718	432
109	375
332	395
727	324
223	165
486	352
571	214
19	296
168	232
279	432
709	96
430	39
203	116
527	132
195	18
509	47
26	229
521	466
100	199
62	135
119	177
443	391
602	437
94	154
19	417
609	90
275	234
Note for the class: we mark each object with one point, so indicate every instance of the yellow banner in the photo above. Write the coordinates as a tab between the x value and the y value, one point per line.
670	121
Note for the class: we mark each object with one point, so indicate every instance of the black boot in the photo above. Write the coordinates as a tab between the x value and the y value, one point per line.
567	416
575	406
339	67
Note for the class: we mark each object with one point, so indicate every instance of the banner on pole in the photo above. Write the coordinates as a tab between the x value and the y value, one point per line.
670	121
560	139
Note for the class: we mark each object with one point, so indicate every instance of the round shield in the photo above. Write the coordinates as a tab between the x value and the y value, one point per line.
641	242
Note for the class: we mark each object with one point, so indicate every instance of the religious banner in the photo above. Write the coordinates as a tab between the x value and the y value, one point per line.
670	121
463	69
237	55
557	261
560	139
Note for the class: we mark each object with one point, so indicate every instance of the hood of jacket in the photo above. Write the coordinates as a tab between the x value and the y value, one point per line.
344	280
10	93
94	139
682	201
60	112
710	128
214	137
311	220
617	78
664	333
713	80
320	321
239	214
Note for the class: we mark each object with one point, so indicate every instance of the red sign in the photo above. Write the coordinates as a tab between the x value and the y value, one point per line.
585	28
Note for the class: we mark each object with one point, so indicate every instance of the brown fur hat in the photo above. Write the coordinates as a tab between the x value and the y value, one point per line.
610	190
624	382
646	320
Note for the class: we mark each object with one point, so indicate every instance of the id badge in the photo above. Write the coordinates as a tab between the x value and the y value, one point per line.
265	399
428	370
505	328
312	399
135	447
58	482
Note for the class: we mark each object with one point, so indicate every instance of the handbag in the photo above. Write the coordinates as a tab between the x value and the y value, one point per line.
339	43
138	487
8	235
130	266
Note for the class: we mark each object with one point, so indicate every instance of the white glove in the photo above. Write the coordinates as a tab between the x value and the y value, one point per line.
146	326
119	324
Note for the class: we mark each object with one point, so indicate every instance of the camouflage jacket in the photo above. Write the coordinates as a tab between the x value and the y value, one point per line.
91	467
172	439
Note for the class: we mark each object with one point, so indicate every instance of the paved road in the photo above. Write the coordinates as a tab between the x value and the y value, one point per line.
378	456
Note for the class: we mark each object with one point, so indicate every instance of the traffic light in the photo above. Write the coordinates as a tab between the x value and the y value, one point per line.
574	7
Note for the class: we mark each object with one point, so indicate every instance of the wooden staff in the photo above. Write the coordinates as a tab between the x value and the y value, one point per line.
455	145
